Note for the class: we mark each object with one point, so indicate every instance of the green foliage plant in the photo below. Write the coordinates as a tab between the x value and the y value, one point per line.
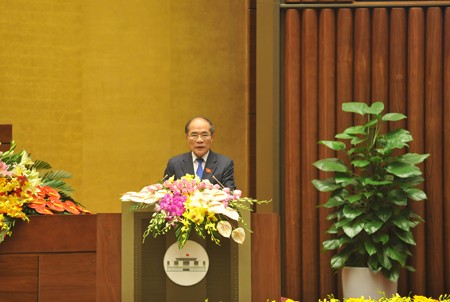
371	190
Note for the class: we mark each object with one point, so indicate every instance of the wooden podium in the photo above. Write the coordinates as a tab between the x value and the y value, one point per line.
144	278
62	258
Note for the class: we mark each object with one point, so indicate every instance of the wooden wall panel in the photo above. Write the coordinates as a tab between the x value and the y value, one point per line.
80	285
344	65
19	278
398	55
416	125
326	129
446	144
433	145
266	260
309	199
292	186
362	51
397	62
5	137
109	249
396	86
380	55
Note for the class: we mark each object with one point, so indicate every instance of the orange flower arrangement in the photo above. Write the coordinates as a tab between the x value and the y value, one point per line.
48	202
24	191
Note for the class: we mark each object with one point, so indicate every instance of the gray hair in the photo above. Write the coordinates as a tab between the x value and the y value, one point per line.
211	126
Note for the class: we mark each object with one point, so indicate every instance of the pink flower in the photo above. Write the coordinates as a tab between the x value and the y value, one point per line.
4	169
237	194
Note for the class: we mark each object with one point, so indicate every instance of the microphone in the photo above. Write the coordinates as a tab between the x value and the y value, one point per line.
218	181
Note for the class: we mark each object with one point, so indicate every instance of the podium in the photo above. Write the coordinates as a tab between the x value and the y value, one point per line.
68	258
144	279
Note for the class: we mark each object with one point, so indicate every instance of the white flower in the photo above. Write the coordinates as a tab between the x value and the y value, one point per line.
224	228
144	196
238	235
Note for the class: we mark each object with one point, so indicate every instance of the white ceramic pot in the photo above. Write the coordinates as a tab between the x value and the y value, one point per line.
361	281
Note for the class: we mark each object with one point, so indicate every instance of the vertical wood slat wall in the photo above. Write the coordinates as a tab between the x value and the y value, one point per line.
400	56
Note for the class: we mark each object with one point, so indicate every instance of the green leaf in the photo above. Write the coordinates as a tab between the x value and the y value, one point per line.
372	226
353	130
343	222
356	151
335	145
397	197
370	181
373	264
376	159
39	164
352	212
344	136
326	185
416	194
381	238
331	165
413	158
343	178
371	123
338	261
384	214
333	202
355	107
383	259
354	198
396	139
370	247
396	254
360	163
402	223
406	237
393	275
332	229
357	140
376	108
409	181
393	117
403	170
57	174
331	244
353	229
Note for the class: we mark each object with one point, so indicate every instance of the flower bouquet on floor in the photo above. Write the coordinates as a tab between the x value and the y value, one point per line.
188	204
394	298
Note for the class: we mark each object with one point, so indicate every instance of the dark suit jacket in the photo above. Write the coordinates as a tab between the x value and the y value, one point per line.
217	165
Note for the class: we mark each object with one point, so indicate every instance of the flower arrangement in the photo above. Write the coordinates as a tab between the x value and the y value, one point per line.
25	191
394	298
188	204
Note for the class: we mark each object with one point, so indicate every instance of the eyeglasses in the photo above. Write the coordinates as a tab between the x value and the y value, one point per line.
196	136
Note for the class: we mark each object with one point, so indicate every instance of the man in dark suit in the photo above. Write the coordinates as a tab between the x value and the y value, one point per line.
218	169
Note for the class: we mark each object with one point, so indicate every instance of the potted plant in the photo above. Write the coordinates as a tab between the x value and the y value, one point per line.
371	189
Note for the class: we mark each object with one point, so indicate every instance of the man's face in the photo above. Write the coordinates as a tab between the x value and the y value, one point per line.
199	137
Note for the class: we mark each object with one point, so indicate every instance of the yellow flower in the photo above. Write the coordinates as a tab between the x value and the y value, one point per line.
423	299
361	299
212	217
197	215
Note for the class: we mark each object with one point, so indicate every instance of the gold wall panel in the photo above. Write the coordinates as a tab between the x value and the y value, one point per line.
102	89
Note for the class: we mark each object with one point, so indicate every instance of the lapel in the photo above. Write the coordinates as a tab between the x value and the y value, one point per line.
188	165
210	166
